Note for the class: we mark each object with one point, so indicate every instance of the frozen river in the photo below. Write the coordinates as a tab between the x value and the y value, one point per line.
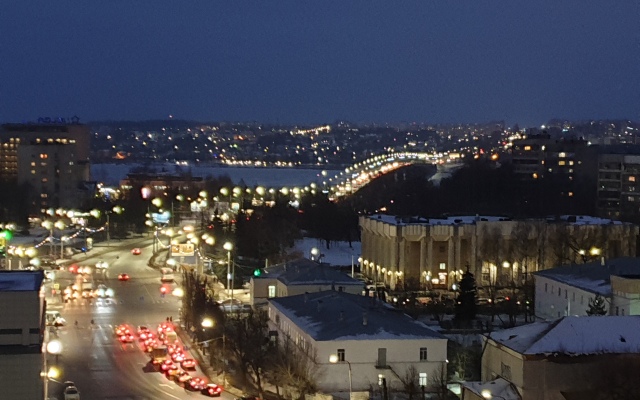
112	174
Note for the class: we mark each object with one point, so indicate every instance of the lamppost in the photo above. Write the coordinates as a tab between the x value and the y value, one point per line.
48	225
208	323
117	210
53	347
179	198
228	247
333	359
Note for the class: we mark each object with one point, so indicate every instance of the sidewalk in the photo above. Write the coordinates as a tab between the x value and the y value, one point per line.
203	361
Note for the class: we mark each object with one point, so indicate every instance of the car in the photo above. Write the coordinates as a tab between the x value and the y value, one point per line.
123	329
150	344
73	268
182	377
165	327
71	393
196	384
136	251
173	348
87	293
146	335
166	364
212	390
171	371
67	384
142	328
188	363
178	356
234	305
127	338
123	277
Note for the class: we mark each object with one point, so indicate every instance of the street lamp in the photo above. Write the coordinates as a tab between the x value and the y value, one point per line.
117	210
333	359
228	247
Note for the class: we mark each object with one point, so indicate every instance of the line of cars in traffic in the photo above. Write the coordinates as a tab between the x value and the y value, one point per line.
168	356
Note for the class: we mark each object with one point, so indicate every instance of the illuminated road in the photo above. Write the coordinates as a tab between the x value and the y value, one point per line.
92	357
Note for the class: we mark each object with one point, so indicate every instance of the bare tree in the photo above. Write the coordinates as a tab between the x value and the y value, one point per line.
438	382
249	342
409	381
294	367
490	251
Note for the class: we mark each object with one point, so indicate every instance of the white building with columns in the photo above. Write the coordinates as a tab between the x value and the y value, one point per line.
434	252
370	339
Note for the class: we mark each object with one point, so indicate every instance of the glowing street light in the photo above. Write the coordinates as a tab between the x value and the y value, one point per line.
207	323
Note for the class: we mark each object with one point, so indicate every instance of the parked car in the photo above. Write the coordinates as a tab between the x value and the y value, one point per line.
71	393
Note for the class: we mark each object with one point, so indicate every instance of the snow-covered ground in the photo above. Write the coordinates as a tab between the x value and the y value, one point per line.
338	253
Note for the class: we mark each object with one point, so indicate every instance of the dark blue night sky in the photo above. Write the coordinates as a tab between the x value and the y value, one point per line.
319	61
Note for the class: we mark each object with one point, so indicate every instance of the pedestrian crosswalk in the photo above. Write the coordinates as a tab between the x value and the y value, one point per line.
101	303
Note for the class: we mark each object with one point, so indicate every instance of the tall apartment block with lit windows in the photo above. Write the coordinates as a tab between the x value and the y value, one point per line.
52	158
619	181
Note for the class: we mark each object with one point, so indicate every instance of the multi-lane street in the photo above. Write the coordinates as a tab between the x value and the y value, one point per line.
92	356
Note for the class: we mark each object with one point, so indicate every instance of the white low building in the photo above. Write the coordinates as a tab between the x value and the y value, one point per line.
370	338
22	331
298	277
567	290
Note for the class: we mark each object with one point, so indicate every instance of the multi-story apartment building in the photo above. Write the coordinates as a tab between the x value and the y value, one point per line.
22	329
540	156
52	158
420	252
619	181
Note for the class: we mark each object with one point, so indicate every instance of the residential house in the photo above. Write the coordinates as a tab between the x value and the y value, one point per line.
372	341
569	358
298	277
567	290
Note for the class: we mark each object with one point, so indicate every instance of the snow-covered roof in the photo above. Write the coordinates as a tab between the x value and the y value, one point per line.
454	220
593	277
21	281
472	219
331	315
574	336
499	388
306	272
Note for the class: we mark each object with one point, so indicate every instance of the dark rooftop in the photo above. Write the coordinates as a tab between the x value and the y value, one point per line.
332	315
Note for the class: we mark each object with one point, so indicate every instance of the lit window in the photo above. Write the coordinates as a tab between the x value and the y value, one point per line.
632	179
527	148
443	265
272	291
422	379
562	155
561	163
423	354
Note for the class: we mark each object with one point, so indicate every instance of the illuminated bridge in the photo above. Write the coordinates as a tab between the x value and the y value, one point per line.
360	174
